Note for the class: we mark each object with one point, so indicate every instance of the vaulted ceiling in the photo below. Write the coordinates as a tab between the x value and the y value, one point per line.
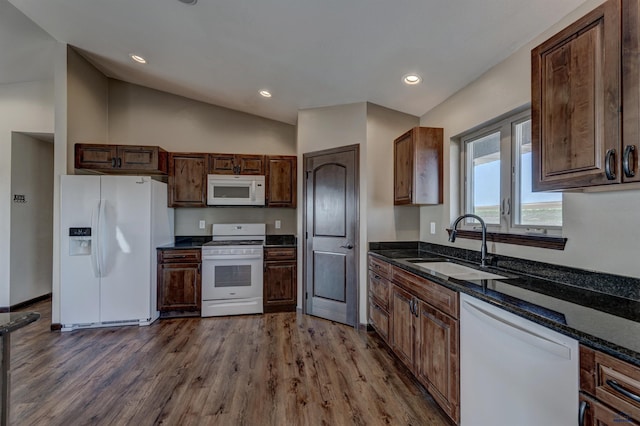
306	53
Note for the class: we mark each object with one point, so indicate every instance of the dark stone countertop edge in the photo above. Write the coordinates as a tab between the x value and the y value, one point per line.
18	320
582	337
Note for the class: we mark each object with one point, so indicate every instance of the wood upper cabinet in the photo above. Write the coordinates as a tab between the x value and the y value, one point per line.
179	280
418	167
576	102
121	158
281	181
236	164
280	279
187	179
631	85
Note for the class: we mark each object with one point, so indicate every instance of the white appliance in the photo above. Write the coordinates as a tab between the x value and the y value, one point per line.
232	270
235	190
513	371
110	227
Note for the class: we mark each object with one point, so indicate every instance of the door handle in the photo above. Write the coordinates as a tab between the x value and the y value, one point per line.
347	246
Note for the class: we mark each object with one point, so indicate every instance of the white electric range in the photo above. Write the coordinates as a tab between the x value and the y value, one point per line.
232	270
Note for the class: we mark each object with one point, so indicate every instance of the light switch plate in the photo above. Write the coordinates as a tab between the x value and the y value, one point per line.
278	224
201	224
433	227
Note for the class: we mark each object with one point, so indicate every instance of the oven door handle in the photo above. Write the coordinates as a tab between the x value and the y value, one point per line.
231	256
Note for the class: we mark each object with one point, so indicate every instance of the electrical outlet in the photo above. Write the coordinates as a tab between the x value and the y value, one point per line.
433	228
278	224
201	225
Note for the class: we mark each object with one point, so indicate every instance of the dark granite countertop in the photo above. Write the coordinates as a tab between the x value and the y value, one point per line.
191	242
11	321
599	310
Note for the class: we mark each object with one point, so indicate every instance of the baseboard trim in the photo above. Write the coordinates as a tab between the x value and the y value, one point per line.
365	327
5	309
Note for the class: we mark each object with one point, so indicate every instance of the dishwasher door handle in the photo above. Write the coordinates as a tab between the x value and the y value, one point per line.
522	333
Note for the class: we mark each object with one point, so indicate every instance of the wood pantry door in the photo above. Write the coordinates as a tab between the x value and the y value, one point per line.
331	234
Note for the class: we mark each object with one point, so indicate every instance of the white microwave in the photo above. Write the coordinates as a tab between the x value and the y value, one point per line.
235	190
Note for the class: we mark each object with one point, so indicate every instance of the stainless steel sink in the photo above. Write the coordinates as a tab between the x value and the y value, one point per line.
457	271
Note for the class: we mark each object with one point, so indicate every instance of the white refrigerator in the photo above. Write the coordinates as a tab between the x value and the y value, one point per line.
110	227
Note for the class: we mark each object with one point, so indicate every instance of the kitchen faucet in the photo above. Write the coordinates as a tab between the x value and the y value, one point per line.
483	249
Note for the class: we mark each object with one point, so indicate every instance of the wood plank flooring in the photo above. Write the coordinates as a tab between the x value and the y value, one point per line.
272	369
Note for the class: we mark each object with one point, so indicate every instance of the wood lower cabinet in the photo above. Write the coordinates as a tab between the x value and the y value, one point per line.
280	279
610	389
179	282
417	167
281	181
121	159
423	329
187	179
236	164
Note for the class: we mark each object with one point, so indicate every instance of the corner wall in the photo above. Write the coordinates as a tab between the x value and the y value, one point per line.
24	107
601	227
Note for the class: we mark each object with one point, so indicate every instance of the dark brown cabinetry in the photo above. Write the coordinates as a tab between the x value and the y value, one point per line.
379	297
179	282
187	179
418	167
423	328
610	389
578	76
236	164
280	279
121	158
281	181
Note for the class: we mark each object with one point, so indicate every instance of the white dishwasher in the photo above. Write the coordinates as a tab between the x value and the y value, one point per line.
514	371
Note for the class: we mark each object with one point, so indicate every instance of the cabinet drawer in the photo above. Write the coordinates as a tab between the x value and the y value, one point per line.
280	253
379	319
616	381
380	267
379	288
436	295
179	256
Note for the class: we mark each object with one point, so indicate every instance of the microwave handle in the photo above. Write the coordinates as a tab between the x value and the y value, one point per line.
253	190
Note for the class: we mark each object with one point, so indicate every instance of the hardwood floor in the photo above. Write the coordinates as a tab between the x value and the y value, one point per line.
272	369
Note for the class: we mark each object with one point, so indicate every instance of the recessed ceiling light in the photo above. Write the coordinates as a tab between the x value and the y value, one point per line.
411	79
139	59
189	2
265	93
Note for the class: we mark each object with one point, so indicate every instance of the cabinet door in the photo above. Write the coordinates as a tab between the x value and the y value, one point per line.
575	103
403	340
280	286
281	181
97	157
403	169
187	180
179	287
437	360
249	164
140	158
631	84
222	164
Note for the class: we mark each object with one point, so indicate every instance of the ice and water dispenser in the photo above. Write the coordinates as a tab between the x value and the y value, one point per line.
79	241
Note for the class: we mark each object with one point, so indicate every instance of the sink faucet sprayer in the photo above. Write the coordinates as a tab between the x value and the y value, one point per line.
483	249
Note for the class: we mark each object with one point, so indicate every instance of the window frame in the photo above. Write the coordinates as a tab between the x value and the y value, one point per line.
509	177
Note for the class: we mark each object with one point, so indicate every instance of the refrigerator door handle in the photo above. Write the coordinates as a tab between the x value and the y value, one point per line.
101	233
95	219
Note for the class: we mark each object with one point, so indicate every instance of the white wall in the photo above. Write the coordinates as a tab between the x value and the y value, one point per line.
31	221
24	107
374	128
601	228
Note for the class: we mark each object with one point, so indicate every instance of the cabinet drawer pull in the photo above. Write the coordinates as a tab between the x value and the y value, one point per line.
113	161
584	405
608	171
627	158
622	390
